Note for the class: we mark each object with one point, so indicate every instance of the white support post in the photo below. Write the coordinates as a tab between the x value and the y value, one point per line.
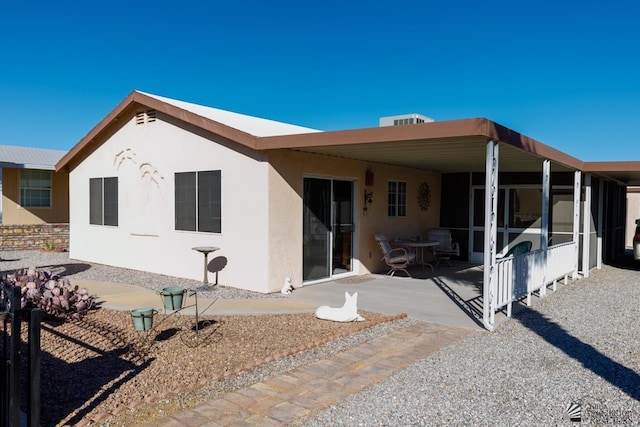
490	234
576	220
586	225
599	231
544	235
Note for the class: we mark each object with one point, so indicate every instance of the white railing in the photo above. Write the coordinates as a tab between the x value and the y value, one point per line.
561	261
519	276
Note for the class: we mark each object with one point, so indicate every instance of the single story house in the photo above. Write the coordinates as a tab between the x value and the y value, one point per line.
32	191
157	177
34	207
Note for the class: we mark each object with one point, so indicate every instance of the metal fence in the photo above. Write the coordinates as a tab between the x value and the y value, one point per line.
15	374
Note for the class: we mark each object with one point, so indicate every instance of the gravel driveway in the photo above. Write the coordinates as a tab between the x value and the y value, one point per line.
576	349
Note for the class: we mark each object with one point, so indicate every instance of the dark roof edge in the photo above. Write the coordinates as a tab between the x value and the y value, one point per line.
136	97
476	127
612	166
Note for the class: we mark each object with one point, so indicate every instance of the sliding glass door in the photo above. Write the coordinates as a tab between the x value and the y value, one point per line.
327	228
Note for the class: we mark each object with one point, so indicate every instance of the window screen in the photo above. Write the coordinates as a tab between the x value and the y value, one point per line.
35	188
397	198
198	201
103	201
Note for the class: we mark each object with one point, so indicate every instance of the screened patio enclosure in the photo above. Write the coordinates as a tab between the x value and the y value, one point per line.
499	187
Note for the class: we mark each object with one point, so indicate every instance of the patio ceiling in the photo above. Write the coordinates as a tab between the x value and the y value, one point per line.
448	146
627	173
441	155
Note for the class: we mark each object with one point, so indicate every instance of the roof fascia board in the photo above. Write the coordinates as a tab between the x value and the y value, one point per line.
609	170
624	166
135	97
433	130
88	138
10	165
477	127
205	123
503	134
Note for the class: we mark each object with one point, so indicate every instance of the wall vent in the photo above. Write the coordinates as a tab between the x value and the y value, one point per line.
146	116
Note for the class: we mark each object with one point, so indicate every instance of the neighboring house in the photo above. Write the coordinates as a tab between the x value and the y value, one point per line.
158	176
32	191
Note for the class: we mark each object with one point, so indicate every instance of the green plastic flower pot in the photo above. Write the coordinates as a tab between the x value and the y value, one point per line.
142	318
173	297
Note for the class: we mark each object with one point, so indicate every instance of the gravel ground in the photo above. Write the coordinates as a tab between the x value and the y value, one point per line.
578	346
100	365
60	263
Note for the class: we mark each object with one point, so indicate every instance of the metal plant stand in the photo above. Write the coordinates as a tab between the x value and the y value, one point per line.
173	302
191	334
193	337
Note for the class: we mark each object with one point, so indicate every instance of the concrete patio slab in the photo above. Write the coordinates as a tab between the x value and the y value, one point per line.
449	296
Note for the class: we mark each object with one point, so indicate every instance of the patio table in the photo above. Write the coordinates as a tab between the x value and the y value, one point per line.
417	247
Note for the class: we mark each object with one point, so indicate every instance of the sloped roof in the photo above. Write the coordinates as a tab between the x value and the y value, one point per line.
29	157
240	128
255	126
445	146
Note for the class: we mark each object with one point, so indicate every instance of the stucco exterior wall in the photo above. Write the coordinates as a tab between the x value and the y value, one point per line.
286	178
145	158
14	214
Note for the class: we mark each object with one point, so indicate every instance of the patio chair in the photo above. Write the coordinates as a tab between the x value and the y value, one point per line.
447	247
518	249
398	259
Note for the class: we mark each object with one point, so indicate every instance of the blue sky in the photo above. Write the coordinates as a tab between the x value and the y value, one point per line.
565	73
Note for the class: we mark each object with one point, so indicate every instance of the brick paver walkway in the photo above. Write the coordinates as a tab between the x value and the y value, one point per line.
283	398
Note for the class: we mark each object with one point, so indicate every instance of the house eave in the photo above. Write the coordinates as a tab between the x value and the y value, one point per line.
136	100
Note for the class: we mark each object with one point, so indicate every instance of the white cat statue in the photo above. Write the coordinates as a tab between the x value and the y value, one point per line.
347	313
288	287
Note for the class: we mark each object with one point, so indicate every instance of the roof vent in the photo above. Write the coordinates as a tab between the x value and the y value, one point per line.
147	116
404	119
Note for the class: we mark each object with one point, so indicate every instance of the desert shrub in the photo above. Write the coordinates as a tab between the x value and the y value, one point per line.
54	295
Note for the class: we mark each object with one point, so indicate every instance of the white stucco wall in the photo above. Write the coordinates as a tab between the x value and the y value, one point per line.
145	158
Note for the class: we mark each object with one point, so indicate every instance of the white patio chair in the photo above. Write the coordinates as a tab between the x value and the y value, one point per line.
447	247
397	259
